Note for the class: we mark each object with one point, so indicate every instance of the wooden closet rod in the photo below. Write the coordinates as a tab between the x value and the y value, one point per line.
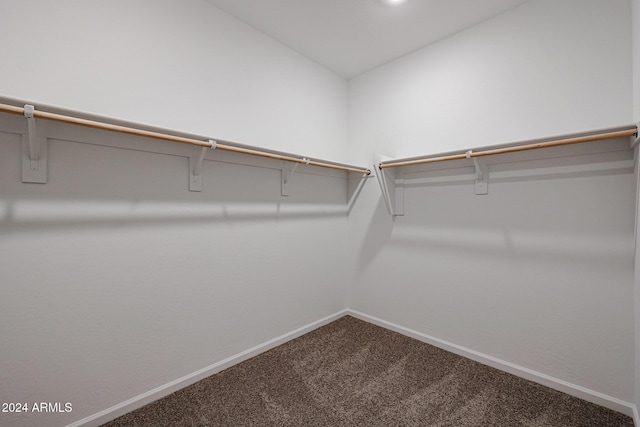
516	148
173	138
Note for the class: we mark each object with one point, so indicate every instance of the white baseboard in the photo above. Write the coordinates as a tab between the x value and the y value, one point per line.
166	389
592	396
136	402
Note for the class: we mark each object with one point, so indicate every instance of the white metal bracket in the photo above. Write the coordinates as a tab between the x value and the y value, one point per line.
635	139
195	166
393	194
286	176
482	174
34	150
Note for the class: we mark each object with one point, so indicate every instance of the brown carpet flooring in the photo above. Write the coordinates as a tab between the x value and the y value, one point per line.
353	373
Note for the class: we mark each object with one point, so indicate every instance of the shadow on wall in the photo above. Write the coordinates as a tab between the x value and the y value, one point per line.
573	208
92	186
378	232
26	216
545	247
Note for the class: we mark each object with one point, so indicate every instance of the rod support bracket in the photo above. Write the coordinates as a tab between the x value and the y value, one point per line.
34	149
195	165
482	174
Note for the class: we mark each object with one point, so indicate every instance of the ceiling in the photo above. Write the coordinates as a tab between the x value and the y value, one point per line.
351	37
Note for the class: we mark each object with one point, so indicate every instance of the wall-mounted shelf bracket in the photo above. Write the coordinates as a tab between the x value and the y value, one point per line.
34	150
195	166
287	174
482	174
391	186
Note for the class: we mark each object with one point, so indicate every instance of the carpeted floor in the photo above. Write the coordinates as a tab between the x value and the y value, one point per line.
353	373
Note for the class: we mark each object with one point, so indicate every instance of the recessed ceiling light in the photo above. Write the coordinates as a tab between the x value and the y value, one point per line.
391	2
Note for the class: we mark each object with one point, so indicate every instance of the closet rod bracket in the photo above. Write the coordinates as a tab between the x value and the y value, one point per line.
34	149
195	165
482	174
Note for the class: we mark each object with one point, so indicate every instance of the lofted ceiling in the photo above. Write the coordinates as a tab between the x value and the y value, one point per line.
351	37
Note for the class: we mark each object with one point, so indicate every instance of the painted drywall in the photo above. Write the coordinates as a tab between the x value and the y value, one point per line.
181	65
539	272
529	73
635	26
119	280
637	289
115	278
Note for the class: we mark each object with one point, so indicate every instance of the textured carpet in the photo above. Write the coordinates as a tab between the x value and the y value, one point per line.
352	373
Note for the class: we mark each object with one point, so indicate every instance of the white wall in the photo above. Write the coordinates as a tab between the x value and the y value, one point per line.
539	272
637	285
529	73
115	278
635	21
180	65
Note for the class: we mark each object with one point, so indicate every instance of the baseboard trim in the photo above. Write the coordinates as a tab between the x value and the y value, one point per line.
139	401
166	389
592	396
